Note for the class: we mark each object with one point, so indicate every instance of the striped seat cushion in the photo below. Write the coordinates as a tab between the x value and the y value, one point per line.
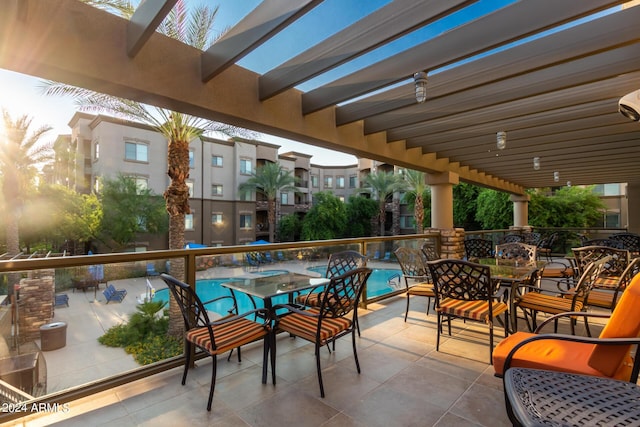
601	298
229	335
313	299
547	303
306	326
557	272
606	282
424	289
475	309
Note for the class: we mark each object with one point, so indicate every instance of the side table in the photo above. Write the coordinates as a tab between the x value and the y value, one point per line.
548	398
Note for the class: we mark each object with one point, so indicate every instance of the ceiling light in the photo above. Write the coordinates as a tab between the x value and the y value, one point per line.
420	80
556	176
568	183
501	140
536	163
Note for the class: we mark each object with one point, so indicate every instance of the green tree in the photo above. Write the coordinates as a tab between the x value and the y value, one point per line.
495	210
419	196
129	210
465	206
195	29
360	212
269	180
382	185
289	228
70	215
21	150
567	207
327	218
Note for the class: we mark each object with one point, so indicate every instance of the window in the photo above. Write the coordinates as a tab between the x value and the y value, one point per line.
328	182
353	181
340	182
245	196
136	152
216	189
190	187
192	161
612	220
188	221
407	221
284	198
314	181
245	221
245	167
142	183
216	161
607	189
216	218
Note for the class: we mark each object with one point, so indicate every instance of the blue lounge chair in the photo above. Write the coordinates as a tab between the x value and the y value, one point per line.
387	256
151	269
113	294
280	256
61	299
253	258
267	257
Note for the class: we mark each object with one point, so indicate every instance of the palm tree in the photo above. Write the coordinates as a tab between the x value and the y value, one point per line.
20	153
382	185
180	129
417	189
268	180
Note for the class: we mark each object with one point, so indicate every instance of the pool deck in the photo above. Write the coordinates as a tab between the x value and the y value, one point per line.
404	381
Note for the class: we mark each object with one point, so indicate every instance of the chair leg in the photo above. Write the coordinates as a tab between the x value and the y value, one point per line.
187	360
428	304
355	353
265	357
439	324
319	370
490	342
272	351
406	313
586	325
214	368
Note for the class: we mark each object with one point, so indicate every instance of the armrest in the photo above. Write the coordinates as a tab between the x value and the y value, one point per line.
570	314
574	338
294	309
233	309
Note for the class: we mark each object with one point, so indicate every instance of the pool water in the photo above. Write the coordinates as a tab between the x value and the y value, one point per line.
208	289
378	283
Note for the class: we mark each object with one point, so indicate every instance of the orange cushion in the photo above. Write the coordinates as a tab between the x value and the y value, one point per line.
555	355
227	336
624	323
473	309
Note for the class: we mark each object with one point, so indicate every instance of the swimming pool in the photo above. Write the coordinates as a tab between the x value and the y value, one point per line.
378	283
208	289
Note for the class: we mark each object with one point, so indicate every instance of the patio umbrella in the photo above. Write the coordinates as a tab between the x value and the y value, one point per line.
260	242
194	246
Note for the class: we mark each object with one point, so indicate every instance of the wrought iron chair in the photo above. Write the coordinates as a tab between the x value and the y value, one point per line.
614	268
609	355
416	275
608	297
612	243
339	263
335	317
478	248
545	245
516	252
536	300
430	252
630	242
218	337
512	238
464	290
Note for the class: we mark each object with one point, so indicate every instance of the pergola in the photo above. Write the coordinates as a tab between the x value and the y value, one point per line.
534	68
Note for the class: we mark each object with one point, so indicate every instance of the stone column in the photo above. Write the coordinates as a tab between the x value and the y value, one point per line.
520	210
442	199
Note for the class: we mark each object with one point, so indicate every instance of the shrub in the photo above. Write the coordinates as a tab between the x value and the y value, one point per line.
145	335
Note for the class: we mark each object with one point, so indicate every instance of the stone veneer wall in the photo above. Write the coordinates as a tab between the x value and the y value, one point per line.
452	243
35	304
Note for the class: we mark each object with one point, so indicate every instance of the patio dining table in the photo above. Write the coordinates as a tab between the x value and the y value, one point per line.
268	287
511	275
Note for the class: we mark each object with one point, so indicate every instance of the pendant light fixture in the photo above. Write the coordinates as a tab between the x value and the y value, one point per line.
501	140
420	80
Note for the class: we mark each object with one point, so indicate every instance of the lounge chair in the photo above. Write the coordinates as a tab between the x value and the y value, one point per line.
61	299
151	269
113	294
609	355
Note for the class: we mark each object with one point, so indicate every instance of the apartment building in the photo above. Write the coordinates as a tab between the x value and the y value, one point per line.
102	147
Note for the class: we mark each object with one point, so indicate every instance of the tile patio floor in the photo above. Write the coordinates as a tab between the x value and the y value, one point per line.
404	382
